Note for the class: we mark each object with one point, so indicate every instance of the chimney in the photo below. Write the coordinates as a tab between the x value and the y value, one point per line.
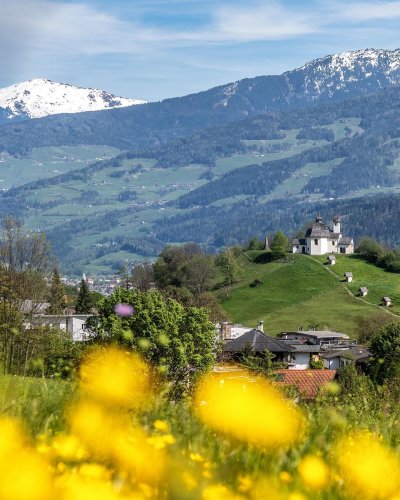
226	330
260	326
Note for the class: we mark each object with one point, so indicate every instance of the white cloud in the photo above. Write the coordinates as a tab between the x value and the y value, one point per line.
365	11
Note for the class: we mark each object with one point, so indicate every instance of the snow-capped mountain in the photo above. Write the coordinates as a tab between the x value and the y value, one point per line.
335	76
40	97
371	69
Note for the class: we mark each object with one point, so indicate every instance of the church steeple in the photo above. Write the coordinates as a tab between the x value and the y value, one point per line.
318	219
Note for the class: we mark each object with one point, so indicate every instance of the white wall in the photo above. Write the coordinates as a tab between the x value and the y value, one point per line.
302	361
332	364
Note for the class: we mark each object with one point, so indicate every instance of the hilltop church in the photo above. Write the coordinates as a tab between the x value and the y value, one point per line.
321	240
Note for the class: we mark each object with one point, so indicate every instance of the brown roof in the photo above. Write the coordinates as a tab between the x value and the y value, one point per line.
308	382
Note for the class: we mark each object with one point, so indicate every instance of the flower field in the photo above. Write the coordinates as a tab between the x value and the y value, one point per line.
236	438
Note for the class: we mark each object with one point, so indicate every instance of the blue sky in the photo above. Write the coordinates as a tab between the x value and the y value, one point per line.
154	49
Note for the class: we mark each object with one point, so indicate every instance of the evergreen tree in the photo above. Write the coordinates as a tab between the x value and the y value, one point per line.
84	303
56	294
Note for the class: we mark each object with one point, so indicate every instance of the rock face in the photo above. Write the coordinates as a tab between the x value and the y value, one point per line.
39	97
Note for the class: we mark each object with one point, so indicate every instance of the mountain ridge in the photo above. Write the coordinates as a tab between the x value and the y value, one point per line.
41	97
340	76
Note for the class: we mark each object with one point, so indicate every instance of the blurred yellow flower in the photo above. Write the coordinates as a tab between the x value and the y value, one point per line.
245	484
219	492
254	412
161	425
369	469
115	378
313	472
25	477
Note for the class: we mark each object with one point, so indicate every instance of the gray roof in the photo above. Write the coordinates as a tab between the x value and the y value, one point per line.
258	341
298	241
356	352
307	348
331	257
319	230
348	275
363	289
319	334
386	299
344	240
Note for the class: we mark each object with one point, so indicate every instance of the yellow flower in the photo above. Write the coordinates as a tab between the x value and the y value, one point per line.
245	484
250	411
116	378
68	447
219	492
196	457
314	472
161	425
25	477
369	469
285	477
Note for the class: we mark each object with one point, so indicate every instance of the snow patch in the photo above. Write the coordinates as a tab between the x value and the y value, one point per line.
40	97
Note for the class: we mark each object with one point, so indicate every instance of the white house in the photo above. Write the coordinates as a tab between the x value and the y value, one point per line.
74	324
363	291
321	239
386	301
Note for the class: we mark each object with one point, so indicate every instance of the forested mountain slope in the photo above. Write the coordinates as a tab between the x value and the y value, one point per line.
332	78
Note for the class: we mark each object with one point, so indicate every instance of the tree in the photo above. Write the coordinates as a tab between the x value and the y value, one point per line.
143	276
279	245
370	249
198	273
56	294
385	347
84	302
228	266
369	326
178	341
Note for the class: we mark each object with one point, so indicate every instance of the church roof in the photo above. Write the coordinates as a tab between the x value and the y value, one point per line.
318	230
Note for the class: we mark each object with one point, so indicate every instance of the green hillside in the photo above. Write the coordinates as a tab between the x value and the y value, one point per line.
302	291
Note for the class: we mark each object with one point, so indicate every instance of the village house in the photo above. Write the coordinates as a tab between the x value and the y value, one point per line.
324	338
309	383
74	324
386	301
363	291
358	355
320	239
295	354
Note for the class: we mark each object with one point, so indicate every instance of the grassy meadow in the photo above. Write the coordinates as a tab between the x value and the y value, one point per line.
301	291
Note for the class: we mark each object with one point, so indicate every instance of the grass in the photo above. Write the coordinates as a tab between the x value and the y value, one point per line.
378	281
38	402
301	291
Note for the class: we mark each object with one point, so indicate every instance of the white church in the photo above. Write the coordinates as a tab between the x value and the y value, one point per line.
320	239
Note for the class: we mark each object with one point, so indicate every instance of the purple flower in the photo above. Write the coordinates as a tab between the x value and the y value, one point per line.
123	310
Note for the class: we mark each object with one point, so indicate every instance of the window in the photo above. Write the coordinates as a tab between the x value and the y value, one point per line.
333	242
342	250
297	246
315	242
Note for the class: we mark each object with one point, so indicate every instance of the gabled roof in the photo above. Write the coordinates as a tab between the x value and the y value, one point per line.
386	299
356	352
319	230
363	289
258	341
331	257
299	241
308	382
344	240
348	275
